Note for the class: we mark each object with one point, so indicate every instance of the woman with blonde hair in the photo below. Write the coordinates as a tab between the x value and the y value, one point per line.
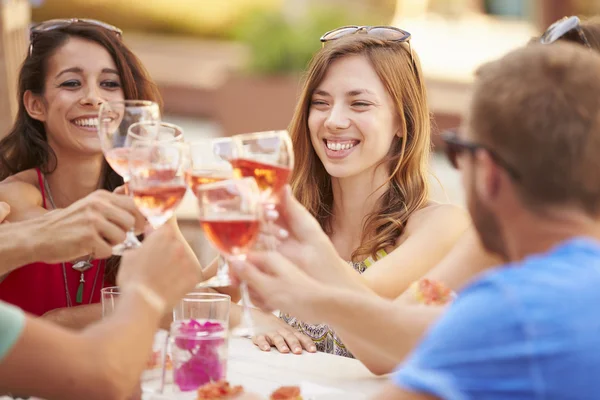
361	134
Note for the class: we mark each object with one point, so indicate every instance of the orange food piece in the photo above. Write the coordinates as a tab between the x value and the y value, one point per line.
154	361
218	390
286	393
430	292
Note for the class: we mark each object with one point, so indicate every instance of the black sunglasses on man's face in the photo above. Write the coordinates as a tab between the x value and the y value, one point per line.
455	146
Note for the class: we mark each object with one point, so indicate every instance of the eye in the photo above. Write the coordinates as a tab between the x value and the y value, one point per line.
111	84
318	103
360	104
73	83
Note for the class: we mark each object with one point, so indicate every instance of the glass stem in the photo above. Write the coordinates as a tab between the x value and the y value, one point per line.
247	322
222	267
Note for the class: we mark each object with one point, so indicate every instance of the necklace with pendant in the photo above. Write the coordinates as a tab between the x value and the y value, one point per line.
80	266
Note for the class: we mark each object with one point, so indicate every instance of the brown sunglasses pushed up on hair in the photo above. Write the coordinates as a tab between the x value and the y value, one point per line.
389	33
455	146
53	24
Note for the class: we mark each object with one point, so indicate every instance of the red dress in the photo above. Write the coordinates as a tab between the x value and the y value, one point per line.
39	287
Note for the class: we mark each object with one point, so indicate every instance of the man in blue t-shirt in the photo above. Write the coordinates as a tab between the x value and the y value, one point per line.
530	160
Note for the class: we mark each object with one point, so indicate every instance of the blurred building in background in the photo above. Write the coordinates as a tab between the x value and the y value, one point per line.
237	63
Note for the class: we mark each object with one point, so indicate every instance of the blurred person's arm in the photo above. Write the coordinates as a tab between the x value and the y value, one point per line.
384	332
463	263
393	392
105	360
77	317
101	362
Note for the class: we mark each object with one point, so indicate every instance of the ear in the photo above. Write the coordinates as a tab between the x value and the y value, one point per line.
35	106
400	133
488	177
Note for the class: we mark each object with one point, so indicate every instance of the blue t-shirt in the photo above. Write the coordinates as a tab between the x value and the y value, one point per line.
528	330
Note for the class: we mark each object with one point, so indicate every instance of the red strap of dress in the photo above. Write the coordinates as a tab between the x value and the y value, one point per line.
41	183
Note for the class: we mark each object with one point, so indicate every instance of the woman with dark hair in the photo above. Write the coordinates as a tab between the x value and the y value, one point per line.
52	155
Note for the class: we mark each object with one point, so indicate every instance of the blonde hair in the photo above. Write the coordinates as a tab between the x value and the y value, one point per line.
407	160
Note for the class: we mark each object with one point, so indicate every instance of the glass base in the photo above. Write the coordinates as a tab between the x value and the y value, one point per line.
131	242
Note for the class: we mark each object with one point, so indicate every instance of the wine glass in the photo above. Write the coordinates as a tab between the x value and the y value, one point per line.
269	158
155	182
229	215
206	163
114	120
154	130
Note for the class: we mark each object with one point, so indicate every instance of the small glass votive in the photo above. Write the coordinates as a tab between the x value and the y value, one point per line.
199	340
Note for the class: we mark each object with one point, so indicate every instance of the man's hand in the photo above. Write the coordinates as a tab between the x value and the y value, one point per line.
303	242
162	264
92	225
277	284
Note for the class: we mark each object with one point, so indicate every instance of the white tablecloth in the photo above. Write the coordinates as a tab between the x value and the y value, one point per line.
320	376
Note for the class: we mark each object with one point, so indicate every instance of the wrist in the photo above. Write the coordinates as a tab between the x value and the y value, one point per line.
318	301
152	299
28	243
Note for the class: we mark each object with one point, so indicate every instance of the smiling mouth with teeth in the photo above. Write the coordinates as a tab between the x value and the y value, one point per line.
86	122
337	146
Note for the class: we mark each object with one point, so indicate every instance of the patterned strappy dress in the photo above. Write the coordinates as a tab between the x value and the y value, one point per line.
322	335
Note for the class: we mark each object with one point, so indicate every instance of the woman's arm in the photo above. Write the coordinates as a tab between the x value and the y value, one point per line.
382	331
429	236
104	361
465	261
75	317
24	199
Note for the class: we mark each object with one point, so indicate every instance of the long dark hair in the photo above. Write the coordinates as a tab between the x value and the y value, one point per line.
26	145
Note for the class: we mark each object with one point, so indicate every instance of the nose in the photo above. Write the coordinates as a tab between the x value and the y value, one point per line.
91	97
337	119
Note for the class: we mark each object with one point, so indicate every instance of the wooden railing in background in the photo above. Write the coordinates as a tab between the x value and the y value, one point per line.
15	17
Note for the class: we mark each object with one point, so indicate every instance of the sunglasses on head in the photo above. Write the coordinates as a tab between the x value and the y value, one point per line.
388	33
456	146
53	24
568	28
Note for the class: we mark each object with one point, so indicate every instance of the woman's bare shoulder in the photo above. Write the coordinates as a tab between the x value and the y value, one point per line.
21	191
29	176
438	214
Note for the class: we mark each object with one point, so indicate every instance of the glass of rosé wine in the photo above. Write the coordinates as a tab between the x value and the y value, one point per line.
114	120
156	184
154	130
229	215
207	163
269	158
